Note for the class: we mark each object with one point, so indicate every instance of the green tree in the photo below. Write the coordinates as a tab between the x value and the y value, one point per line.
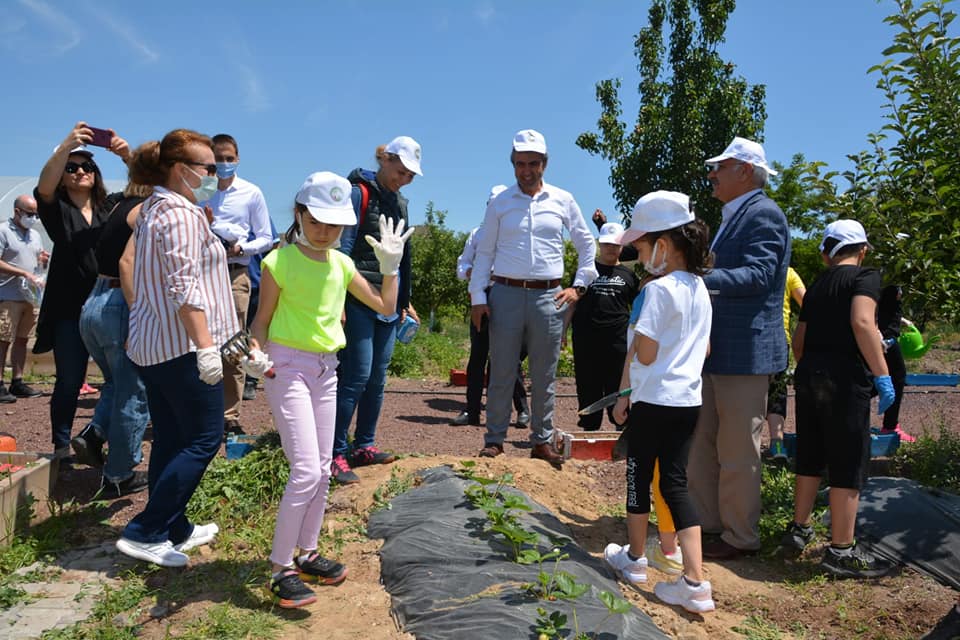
435	248
906	188
683	118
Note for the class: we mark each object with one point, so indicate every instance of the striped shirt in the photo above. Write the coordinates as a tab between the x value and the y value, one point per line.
179	261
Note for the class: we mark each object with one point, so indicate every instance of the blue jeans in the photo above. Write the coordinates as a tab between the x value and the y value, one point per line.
363	374
70	358
518	318
121	414
187	432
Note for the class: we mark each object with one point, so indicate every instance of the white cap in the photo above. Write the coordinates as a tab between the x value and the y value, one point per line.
530	140
846	232
408	150
327	197
746	151
496	190
82	150
657	211
610	233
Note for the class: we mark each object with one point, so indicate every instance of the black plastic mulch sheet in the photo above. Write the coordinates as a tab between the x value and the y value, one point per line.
914	525
449	580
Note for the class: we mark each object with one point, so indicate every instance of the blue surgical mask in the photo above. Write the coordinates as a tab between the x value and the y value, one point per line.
208	187
226	169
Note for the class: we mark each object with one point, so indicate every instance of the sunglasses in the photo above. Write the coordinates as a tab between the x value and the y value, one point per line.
716	166
24	212
87	166
211	169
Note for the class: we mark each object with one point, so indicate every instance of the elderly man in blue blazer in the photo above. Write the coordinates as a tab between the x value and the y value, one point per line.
747	346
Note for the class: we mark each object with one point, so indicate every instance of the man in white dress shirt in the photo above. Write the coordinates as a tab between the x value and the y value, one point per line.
242	221
520	260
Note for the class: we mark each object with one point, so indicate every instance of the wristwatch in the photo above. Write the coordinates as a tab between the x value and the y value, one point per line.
581	290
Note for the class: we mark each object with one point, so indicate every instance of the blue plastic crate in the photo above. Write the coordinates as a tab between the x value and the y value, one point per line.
933	379
238	446
882	445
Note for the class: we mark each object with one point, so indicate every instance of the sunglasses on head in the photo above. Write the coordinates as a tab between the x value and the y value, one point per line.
211	169
88	167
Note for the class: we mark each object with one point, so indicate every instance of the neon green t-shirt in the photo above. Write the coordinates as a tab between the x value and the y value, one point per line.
311	300
794	282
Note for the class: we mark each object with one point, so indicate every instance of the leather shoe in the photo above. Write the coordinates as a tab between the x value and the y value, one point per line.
720	550
523	420
465	419
545	451
491	451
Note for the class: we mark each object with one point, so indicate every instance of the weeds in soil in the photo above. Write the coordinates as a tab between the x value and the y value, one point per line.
934	462
757	627
396	485
776	494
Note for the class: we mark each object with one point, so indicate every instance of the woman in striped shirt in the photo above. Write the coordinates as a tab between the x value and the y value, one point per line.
182	312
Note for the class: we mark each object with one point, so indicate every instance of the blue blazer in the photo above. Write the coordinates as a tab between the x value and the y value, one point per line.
751	256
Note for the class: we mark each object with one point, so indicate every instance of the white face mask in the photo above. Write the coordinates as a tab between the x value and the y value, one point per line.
208	186
305	241
651	265
28	222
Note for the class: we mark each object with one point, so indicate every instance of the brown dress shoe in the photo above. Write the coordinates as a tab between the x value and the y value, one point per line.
491	451
720	550
545	451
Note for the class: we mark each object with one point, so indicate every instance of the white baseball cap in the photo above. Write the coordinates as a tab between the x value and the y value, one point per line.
530	140
496	190
746	151
610	233
846	232
82	150
657	211
327	197
408	150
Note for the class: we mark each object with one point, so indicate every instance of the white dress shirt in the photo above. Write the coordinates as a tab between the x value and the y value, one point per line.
522	239
465	259
728	210
242	204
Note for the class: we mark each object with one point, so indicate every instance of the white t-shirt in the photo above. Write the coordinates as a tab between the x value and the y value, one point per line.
677	315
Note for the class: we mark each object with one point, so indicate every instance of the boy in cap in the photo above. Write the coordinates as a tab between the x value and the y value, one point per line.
839	360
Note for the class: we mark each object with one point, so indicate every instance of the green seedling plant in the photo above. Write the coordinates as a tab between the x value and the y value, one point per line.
516	536
552	624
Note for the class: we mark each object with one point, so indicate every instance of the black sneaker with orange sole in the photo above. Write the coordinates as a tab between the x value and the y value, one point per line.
290	592
321	570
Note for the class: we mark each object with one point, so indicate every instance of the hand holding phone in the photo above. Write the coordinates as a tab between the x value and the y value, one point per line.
101	137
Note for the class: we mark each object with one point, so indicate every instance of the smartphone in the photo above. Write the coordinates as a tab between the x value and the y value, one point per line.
101	137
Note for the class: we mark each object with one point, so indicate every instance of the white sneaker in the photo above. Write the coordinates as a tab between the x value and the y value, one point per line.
161	553
202	534
633	571
694	599
670	564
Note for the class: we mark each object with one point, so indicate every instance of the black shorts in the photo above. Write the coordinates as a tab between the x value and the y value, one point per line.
777	394
833	419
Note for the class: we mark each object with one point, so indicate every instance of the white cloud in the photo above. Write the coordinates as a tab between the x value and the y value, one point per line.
60	22
485	13
255	99
126	32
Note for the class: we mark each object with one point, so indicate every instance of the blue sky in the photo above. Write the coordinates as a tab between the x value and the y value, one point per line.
308	86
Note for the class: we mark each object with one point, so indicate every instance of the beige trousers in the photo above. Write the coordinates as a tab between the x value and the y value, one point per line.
233	375
723	471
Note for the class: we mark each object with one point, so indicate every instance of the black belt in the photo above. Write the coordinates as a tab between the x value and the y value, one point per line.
112	283
527	284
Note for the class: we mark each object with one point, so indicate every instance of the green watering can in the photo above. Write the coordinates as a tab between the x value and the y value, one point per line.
911	343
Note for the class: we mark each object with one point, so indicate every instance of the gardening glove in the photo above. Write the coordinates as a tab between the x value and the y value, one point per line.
884	387
389	249
256	363
210	365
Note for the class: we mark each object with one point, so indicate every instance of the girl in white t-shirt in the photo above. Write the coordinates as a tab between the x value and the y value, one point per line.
670	342
302	292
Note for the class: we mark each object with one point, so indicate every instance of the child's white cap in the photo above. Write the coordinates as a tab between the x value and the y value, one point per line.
408	150
657	211
496	190
610	233
327	197
845	232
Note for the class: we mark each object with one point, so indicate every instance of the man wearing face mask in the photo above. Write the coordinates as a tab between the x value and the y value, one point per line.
21	257
240	215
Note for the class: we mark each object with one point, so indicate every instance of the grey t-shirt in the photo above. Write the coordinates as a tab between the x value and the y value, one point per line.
21	248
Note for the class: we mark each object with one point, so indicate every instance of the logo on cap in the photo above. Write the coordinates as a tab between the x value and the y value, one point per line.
336	194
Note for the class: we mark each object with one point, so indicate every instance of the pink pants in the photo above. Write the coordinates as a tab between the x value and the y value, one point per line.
303	398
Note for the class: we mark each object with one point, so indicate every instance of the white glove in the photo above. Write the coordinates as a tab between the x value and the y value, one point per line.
256	364
389	250
210	365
